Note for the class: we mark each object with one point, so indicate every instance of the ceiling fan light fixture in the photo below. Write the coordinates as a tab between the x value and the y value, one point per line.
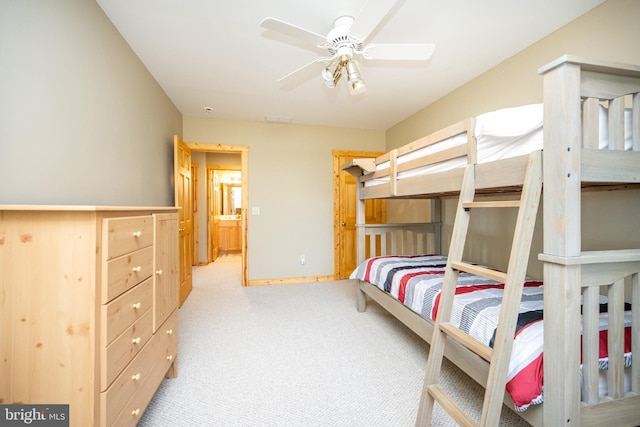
327	75
331	77
357	87
356	83
353	72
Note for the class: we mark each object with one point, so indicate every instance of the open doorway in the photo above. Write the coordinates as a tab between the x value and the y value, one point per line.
199	153
224	199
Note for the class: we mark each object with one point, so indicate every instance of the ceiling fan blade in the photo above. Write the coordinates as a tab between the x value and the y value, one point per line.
370	16
291	30
401	52
302	70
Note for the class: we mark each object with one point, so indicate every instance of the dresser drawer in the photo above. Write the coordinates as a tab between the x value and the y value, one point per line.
123	273
128	382
168	337
135	407
123	311
124	235
158	356
121	351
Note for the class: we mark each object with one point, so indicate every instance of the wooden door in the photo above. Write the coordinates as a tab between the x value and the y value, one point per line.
183	198
194	219
345	213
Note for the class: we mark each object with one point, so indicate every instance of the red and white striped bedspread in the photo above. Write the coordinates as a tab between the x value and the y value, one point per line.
416	281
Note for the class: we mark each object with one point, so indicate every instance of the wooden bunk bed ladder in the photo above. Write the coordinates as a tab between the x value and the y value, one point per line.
513	278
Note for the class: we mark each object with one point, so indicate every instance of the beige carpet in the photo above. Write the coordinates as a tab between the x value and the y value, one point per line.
296	355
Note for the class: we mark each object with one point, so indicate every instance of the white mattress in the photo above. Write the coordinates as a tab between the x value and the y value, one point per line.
500	134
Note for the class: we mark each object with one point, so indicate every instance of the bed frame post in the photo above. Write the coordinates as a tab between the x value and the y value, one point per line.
562	237
360	242
436	220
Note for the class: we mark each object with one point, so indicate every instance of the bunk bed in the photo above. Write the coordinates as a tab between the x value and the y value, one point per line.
585	135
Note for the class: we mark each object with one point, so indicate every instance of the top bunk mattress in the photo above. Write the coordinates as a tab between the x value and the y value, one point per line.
500	134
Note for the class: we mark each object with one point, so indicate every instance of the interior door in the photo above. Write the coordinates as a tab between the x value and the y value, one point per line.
194	219
183	199
345	213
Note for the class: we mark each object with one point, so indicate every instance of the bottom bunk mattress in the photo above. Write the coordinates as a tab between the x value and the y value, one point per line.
416	282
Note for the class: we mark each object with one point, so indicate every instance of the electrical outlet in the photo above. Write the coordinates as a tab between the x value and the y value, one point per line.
302	260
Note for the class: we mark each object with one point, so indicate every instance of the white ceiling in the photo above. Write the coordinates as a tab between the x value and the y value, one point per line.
213	53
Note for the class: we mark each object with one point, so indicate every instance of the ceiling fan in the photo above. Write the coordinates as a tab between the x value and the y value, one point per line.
346	41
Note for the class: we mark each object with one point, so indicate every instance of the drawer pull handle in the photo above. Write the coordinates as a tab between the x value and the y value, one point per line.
169	331
170	357
137	233
136	340
136	269
135	412
159	272
137	305
135	377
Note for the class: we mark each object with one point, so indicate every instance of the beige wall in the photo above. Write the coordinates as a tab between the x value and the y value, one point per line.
608	32
291	180
83	121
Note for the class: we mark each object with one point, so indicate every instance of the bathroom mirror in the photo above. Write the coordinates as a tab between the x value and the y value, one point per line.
229	192
231	199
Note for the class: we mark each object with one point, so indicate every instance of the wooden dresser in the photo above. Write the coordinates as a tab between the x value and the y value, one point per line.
88	308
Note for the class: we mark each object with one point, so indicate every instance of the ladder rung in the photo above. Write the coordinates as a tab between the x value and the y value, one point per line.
449	405
467	340
492	204
498	276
